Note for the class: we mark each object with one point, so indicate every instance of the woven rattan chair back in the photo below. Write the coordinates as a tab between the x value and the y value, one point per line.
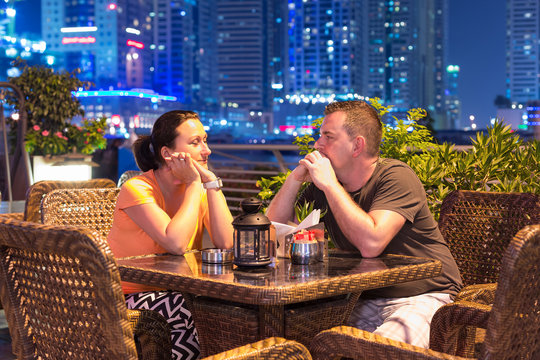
90	208
61	290
513	330
38	190
478	227
126	175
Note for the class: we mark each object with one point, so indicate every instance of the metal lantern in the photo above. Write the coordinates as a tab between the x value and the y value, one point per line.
251	235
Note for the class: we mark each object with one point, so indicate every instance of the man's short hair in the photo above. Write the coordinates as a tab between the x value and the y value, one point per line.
361	119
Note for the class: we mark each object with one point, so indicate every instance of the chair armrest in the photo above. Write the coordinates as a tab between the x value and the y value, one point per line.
346	341
453	327
15	216
152	334
271	348
480	293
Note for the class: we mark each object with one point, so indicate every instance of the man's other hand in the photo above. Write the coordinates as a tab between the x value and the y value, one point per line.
320	170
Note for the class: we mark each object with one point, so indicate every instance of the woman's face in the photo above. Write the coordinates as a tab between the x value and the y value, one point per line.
192	139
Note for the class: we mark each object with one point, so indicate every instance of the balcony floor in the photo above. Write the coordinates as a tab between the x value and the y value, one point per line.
5	339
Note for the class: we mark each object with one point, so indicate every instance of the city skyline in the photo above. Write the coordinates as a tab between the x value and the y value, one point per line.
476	43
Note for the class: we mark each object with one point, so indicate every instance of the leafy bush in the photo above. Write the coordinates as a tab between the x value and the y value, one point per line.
50	106
88	137
497	161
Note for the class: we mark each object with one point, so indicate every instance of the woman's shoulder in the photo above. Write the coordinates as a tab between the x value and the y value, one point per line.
146	179
139	187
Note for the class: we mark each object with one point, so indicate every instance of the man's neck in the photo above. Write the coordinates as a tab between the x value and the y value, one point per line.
358	175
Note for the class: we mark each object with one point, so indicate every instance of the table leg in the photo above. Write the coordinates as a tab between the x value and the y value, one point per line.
353	299
271	321
188	298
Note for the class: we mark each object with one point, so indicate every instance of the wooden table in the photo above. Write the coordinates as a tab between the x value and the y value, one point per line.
234	306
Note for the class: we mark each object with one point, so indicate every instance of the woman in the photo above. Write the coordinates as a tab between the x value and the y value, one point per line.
165	210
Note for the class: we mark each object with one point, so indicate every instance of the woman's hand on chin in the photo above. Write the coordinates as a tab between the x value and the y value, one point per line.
182	168
205	174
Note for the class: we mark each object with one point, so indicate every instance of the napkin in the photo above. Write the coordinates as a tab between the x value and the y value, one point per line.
285	229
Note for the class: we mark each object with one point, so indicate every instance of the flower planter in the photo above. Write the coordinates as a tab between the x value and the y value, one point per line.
62	167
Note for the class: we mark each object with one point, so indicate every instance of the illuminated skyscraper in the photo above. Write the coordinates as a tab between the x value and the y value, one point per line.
406	53
174	47
206	83
245	30
320	36
108	40
453	102
523	50
393	50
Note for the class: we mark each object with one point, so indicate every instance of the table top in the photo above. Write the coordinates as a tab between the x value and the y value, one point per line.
278	283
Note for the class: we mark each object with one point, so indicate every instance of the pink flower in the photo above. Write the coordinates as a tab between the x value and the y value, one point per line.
36	127
86	141
45	133
64	137
59	134
87	134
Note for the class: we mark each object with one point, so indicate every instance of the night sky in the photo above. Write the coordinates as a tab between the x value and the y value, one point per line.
477	44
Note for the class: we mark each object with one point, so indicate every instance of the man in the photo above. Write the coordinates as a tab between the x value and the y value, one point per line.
375	206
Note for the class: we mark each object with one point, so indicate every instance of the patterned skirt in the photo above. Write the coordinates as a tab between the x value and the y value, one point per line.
185	342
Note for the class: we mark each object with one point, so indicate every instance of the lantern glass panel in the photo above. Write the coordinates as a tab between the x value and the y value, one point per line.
263	245
247	242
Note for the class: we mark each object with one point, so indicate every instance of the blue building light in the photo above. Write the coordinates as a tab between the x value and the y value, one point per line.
101	93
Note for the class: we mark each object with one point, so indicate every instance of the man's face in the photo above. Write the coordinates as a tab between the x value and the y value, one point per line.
334	142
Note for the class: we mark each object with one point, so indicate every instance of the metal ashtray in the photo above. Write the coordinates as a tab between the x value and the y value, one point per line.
217	256
217	269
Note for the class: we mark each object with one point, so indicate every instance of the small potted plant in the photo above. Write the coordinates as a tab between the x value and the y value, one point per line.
51	107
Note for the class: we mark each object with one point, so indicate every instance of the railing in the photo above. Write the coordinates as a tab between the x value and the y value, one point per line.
241	165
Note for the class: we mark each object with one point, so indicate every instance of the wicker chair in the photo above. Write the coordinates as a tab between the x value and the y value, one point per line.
512	324
478	227
90	208
36	192
272	349
126	175
61	290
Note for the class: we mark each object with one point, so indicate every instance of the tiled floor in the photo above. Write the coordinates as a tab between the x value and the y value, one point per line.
5	339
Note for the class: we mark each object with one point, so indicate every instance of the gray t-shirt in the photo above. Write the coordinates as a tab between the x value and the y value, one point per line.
394	186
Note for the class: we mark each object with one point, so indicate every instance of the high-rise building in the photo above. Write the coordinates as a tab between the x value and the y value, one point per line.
244	49
206	80
320	39
453	102
523	50
406	54
174	48
393	50
108	41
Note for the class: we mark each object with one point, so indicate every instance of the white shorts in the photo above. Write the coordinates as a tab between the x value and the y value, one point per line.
402	319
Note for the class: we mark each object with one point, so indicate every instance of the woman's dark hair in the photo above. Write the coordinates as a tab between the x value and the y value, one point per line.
147	149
